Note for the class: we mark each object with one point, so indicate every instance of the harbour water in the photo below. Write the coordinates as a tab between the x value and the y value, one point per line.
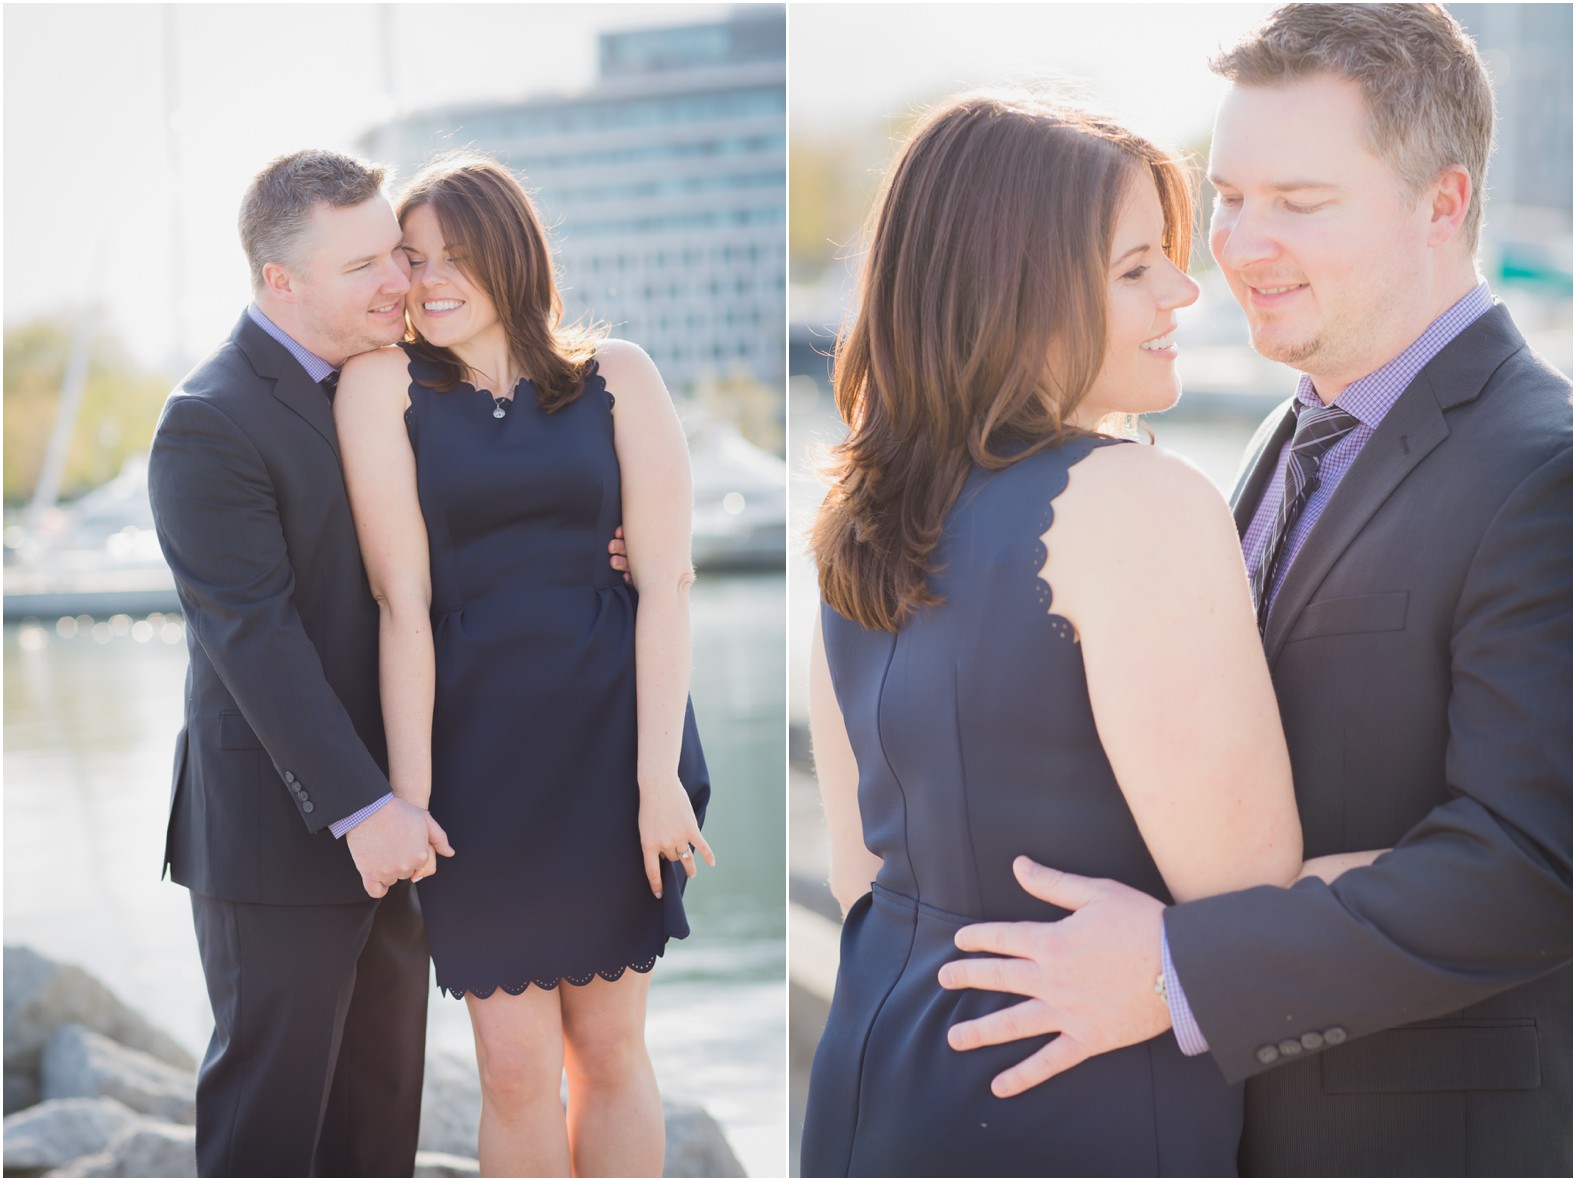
91	712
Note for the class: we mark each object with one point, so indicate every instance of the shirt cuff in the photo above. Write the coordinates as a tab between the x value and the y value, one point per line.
340	827
1189	1037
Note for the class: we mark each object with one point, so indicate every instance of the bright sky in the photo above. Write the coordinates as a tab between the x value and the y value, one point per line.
850	63
93	199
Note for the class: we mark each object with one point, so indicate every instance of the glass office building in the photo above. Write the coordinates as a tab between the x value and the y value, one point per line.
663	183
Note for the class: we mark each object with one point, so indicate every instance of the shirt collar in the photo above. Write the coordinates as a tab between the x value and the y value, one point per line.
1368	399
316	368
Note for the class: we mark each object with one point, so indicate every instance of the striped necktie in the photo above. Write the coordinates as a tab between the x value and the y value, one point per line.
1317	431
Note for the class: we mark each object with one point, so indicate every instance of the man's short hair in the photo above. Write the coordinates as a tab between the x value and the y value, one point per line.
279	202
1430	101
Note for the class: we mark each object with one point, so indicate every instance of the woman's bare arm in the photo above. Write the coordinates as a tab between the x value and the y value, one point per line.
380	476
854	866
653	461
1144	561
1333	865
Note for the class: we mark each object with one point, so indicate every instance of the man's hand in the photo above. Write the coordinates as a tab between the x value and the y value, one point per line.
620	554
1090	977
395	842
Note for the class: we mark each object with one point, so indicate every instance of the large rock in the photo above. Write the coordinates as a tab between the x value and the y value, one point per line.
446	1164
451	1105
696	1145
151	1148
49	1135
80	1063
41	996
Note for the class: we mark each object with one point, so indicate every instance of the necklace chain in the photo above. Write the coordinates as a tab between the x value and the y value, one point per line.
501	403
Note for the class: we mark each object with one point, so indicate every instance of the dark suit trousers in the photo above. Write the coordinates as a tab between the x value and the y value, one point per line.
319	1037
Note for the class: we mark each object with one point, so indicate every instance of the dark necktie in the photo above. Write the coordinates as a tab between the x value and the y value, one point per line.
330	384
1317	431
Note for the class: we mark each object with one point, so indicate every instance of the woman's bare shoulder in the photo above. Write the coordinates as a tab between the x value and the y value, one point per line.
626	360
373	378
629	371
1144	491
376	363
377	366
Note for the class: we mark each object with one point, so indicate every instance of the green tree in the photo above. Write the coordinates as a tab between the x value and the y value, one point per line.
120	407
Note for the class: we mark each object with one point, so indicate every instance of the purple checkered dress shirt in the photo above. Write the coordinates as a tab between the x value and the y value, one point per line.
1367	400
317	369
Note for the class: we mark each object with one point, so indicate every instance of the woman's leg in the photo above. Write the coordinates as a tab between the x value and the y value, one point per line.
615	1112
520	1054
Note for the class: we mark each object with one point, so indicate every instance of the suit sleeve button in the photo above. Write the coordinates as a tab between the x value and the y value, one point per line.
289	777
1290	1046
309	807
1267	1054
1312	1041
1334	1036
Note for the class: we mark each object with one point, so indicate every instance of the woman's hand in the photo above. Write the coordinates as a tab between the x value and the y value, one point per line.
668	829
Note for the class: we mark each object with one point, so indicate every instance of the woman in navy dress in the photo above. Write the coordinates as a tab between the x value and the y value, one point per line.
542	719
1032	638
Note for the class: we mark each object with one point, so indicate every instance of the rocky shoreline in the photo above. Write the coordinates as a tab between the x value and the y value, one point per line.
93	1089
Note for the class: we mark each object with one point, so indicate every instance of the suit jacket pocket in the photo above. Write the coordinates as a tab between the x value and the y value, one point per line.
1351	615
235	734
1469	1054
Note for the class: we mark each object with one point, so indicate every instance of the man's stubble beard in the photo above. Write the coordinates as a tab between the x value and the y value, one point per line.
356	343
1293	353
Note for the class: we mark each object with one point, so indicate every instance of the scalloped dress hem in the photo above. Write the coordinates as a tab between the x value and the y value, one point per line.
608	974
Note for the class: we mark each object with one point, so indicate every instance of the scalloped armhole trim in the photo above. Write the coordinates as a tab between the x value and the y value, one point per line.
1041	557
594	374
1060	624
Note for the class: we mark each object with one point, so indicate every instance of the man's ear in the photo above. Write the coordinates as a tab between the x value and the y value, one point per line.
1449	199
279	282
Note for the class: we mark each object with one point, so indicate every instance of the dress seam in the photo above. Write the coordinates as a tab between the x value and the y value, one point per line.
908	955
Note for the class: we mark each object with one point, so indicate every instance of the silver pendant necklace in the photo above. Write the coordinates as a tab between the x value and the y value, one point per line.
500	407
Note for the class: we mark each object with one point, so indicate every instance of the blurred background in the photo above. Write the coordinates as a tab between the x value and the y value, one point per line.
654	138
858	78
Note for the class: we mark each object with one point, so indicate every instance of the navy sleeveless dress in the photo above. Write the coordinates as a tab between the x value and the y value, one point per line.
976	742
533	729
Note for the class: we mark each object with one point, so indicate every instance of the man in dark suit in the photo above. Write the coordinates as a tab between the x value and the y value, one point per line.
314	953
1407	530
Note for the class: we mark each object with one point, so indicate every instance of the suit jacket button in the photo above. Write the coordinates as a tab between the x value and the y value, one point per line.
1267	1054
289	777
1334	1036
300	793
1290	1046
1312	1041
308	807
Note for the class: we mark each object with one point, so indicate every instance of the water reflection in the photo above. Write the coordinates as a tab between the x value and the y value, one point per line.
91	711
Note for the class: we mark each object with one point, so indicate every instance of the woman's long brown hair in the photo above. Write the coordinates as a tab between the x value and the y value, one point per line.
981	325
497	239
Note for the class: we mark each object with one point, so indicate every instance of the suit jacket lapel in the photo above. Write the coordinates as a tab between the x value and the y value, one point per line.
292	386
1414	426
308	399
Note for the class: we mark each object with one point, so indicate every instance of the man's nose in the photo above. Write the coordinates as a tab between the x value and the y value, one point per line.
397	281
1239	238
